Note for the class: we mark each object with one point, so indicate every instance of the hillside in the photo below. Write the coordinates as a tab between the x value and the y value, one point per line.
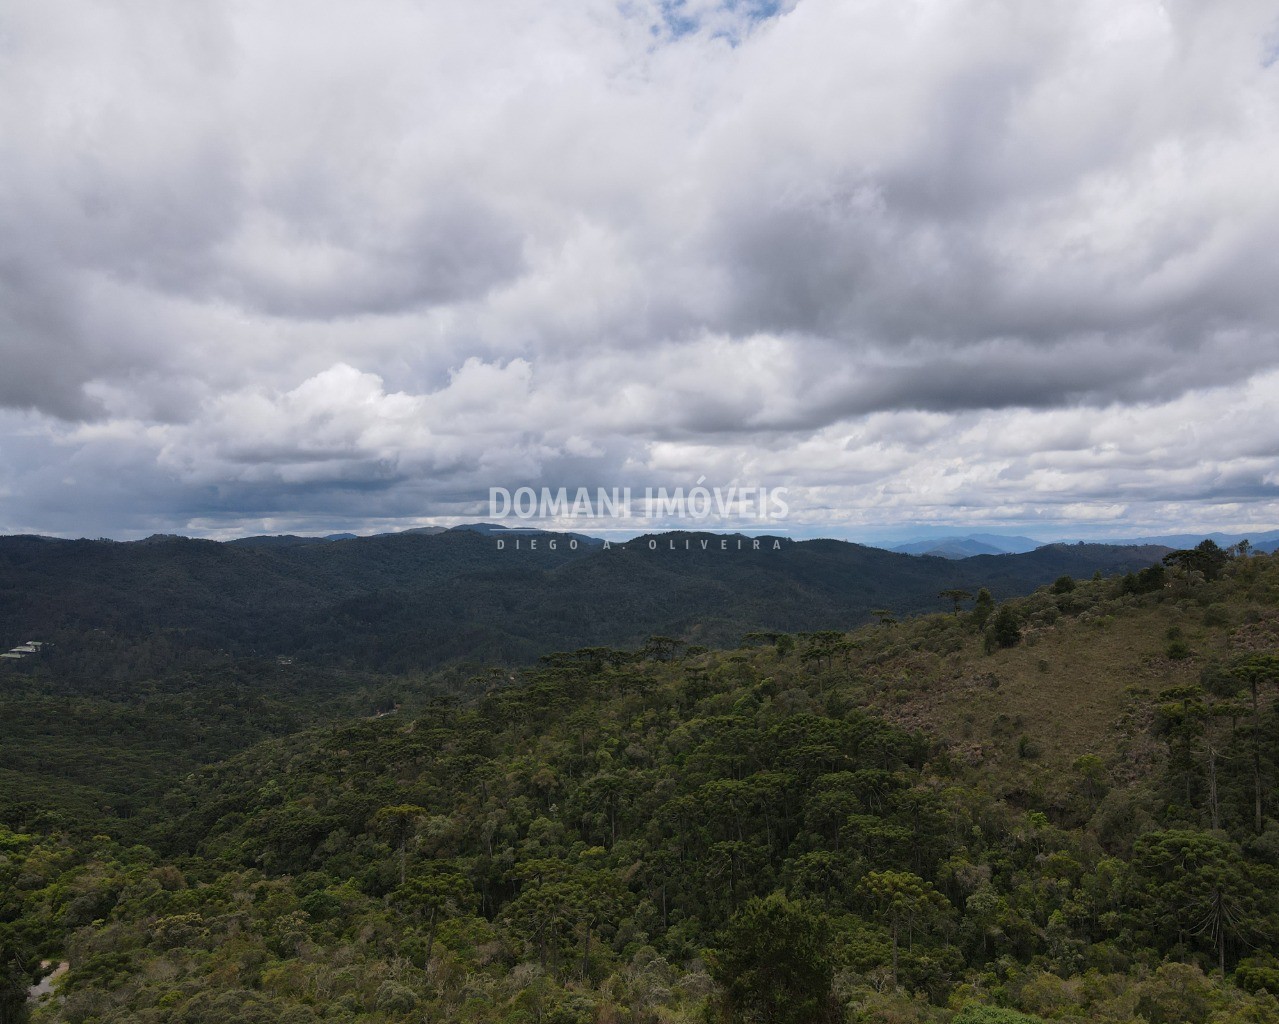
1032	805
408	602
1083	680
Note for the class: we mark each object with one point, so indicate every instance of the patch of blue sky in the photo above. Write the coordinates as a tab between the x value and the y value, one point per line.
677	18
1270	47
729	19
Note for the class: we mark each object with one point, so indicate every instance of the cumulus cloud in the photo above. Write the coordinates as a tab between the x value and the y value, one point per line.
299	264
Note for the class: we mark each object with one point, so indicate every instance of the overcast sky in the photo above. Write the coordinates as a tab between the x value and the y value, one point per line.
310	266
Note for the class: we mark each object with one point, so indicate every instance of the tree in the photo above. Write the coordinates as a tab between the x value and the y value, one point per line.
886	617
901	900
821	646
983	607
957	596
1206	557
1198	887
429	899
1005	630
662	648
1180	718
401	821
558	899
774	962
1255	670
1188	717
15	977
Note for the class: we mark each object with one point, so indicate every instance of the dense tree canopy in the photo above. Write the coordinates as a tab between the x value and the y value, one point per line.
662	833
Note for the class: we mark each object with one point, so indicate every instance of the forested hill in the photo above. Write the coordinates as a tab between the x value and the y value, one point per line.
1085	827
411	601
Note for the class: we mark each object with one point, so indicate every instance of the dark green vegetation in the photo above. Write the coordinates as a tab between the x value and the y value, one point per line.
1039	809
84	746
411	602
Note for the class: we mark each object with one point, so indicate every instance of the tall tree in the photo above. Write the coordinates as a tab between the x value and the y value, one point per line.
901	900
400	822
774	961
1198	887
1255	670
983	608
430	898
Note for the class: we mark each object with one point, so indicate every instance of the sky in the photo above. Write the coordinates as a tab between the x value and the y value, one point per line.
311	266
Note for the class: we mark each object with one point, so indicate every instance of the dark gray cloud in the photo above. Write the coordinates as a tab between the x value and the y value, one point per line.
290	264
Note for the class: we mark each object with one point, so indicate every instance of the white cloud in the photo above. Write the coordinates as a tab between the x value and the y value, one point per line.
919	259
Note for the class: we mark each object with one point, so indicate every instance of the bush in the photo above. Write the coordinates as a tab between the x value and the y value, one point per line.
1177	648
1177	994
1217	615
573	1008
395	998
974	1013
1005	630
1258	972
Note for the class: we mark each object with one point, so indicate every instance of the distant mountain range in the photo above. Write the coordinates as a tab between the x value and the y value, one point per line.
998	544
966	547
940	546
487	529
287	540
414	600
1267	540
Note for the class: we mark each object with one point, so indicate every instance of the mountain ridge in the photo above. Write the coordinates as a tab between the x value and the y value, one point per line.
412	601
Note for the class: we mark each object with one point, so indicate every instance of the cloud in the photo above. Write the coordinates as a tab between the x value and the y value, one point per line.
293	260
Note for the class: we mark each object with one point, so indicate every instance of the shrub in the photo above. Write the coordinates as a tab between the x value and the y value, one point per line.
1216	615
1005	630
974	1013
1258	972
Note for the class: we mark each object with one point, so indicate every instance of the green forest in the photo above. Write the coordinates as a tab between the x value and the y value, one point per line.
411	602
1060	806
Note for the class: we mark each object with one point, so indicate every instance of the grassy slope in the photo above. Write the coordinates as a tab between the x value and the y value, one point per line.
1084	684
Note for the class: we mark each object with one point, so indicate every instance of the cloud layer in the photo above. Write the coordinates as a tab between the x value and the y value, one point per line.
305	266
